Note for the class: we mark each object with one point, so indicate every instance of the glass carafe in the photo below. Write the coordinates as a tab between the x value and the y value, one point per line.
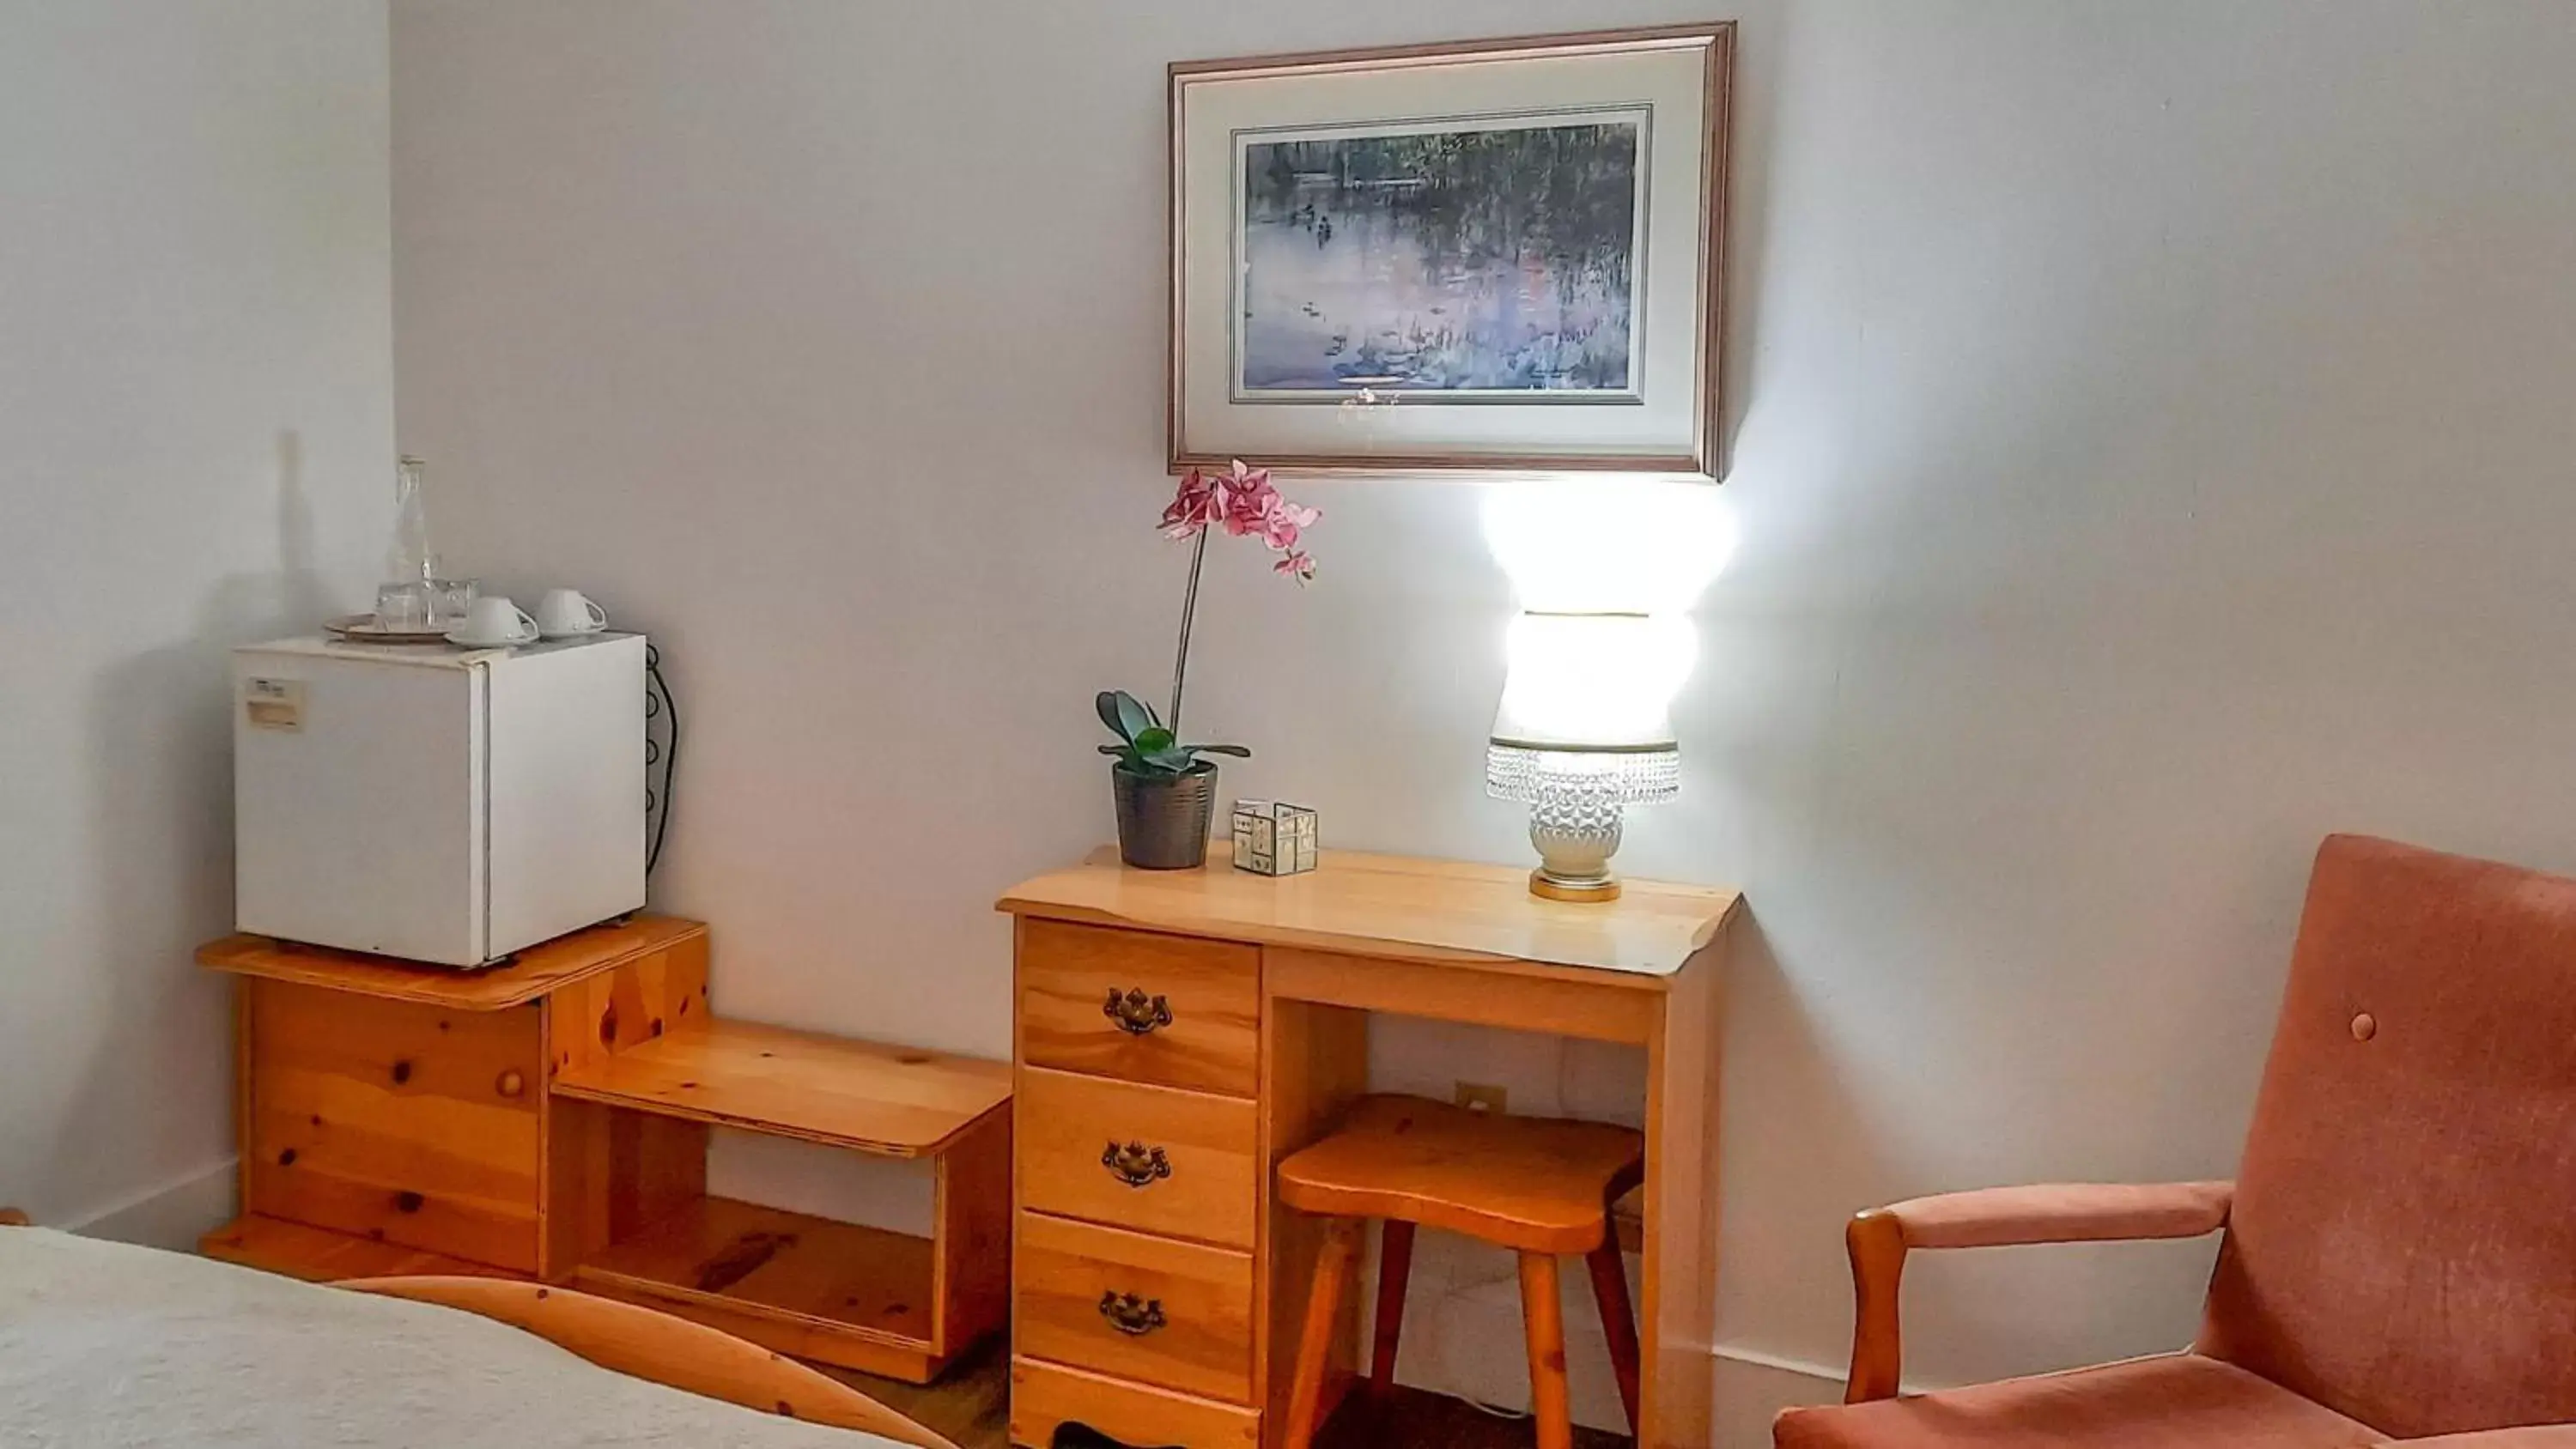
408	558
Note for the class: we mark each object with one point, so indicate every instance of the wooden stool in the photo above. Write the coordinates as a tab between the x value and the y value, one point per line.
1539	1186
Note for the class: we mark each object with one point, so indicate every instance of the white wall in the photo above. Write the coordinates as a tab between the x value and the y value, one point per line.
2154	453
196	438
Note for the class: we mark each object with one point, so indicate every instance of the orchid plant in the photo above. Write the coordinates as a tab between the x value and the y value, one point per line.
1241	501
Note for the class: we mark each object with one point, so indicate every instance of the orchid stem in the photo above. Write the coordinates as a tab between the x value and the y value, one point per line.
1181	661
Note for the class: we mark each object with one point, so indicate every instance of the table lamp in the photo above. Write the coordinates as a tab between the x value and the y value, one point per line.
1584	730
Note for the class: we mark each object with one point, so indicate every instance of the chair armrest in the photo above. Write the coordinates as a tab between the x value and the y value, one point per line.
1995	1217
2074	1212
2528	1437
2532	1436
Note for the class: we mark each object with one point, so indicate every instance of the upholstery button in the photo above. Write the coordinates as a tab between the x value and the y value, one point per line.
2364	1027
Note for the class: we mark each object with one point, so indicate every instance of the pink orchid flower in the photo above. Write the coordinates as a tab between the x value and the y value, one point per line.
1200	502
1285	521
1249	499
1242	500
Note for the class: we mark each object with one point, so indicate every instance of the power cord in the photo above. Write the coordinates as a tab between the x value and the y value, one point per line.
661	756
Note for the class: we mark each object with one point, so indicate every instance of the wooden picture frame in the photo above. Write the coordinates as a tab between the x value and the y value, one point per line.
1531	276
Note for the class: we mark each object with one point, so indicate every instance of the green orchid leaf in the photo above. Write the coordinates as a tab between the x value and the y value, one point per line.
1237	751
1135	716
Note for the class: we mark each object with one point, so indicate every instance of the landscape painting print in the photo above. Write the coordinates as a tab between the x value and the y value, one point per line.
1487	261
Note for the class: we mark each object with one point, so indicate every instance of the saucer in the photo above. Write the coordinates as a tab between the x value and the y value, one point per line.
363	629
462	640
584	632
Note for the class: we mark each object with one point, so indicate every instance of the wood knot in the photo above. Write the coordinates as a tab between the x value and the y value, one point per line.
410	1202
286	1158
608	1027
402	1073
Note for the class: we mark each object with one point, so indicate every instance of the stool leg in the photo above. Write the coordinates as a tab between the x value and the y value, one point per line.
1394	1268
1333	1264
1543	1316
1618	1320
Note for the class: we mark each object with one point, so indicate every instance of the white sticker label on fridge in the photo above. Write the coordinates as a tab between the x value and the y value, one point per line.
274	704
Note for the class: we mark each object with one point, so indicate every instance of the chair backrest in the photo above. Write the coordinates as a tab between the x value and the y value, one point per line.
2403	1244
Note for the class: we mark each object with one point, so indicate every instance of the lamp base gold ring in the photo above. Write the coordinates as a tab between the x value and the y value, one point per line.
1545	888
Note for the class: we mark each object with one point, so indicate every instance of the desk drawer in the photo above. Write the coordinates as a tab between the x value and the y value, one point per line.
1174	1011
413	1124
1143	1308
1046	1397
1153	1159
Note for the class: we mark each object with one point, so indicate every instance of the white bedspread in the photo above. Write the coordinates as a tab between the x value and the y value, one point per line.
104	1346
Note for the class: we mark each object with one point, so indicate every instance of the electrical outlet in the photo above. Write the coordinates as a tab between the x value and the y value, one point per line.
1481	1097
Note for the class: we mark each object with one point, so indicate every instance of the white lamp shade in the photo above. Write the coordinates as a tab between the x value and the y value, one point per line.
1598	544
1593	683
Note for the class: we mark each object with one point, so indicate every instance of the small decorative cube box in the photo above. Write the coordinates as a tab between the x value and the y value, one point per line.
1272	837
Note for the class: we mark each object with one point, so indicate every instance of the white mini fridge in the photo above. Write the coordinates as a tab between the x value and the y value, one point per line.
438	804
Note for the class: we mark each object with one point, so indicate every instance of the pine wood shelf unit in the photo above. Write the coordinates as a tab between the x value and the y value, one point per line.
882	1100
864	1298
549	1120
815	1288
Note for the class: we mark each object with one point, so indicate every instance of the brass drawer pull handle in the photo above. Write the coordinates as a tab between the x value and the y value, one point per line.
1135	1164
1131	1315
1136	1013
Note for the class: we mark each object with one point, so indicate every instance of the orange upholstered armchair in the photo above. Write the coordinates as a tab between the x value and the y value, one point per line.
2400	1251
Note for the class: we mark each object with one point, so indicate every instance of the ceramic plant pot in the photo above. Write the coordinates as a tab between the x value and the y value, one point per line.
1163	820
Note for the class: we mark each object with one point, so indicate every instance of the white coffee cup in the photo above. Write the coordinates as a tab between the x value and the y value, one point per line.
564	613
495	623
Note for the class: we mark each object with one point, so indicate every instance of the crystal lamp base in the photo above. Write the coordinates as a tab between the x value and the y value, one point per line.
1575	840
1575	798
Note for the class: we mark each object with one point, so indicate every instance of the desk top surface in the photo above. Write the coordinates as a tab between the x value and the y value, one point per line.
1389	905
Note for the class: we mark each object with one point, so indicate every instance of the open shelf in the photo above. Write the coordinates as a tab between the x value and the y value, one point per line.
319	1255
888	1101
845	1294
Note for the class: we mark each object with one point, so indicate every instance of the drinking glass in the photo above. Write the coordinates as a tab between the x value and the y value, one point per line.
403	607
450	600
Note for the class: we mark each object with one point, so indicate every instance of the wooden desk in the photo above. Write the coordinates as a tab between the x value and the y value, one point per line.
1178	1033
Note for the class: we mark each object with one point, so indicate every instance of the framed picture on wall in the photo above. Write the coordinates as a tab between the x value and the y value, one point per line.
1502	256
